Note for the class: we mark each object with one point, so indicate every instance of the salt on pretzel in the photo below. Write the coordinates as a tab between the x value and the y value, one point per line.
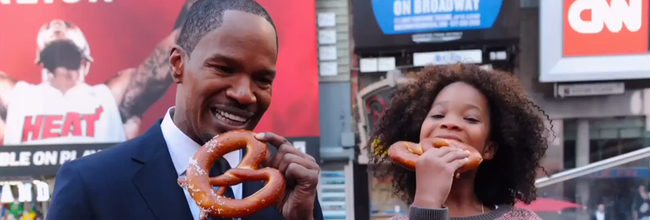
213	202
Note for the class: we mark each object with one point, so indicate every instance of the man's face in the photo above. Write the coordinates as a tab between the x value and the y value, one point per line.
226	81
64	79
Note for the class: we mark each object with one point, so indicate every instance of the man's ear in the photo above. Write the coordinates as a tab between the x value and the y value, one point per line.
489	150
177	59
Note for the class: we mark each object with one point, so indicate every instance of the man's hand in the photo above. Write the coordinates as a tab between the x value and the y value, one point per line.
301	172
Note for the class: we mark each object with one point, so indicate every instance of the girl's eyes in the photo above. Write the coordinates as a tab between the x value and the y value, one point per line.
469	119
472	120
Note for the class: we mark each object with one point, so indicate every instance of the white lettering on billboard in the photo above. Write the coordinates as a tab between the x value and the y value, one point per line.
25	191
42	191
6	196
67	155
602	14
404	7
41	158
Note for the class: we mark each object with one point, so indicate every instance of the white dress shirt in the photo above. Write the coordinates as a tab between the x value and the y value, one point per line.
182	148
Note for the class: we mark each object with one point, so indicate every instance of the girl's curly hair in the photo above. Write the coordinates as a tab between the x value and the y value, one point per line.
517	129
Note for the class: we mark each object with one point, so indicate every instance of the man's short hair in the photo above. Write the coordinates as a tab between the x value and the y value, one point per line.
207	15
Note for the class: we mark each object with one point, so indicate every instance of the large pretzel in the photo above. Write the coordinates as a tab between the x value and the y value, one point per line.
213	202
406	153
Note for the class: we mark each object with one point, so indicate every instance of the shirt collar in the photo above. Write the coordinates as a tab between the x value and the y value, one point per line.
181	147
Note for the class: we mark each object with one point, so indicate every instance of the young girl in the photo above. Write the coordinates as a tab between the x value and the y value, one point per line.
487	110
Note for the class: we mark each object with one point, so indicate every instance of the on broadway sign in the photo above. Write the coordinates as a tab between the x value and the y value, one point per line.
585	40
409	16
399	24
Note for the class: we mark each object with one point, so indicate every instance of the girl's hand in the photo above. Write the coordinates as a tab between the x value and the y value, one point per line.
434	174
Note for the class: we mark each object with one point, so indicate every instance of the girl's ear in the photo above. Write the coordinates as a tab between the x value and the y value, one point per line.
489	150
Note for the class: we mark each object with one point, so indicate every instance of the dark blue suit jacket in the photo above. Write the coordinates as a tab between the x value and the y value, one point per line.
132	180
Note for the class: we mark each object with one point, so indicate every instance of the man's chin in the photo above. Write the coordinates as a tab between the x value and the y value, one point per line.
221	128
206	137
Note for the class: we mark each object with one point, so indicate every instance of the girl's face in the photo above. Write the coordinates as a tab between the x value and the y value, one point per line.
459	112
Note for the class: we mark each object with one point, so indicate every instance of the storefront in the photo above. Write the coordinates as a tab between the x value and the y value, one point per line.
590	73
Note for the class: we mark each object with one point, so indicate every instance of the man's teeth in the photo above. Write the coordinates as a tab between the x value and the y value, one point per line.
228	116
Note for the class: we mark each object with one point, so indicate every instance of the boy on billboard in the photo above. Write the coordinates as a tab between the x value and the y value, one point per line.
63	108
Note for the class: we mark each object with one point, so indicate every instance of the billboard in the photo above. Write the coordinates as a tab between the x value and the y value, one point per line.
120	61
423	16
587	40
381	24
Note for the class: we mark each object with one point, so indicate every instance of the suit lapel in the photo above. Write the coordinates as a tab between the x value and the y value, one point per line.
157	180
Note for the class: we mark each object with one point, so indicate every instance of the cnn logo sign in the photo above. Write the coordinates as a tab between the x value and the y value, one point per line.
605	27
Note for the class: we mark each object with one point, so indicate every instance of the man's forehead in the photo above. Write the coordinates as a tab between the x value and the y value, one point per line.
237	19
232	15
237	26
240	19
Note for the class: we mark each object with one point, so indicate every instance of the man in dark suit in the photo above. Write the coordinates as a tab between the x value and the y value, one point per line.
224	66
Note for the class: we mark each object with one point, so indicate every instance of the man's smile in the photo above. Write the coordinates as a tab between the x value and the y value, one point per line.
231	116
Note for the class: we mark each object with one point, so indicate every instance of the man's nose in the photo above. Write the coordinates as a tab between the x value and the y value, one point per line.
241	91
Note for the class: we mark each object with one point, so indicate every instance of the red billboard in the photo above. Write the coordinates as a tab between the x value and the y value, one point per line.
594	40
605	27
125	36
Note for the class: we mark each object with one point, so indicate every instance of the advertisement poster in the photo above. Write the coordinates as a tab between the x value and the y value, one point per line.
389	24
594	40
117	50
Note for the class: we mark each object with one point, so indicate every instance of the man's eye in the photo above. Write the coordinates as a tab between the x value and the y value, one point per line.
265	83
264	80
221	68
